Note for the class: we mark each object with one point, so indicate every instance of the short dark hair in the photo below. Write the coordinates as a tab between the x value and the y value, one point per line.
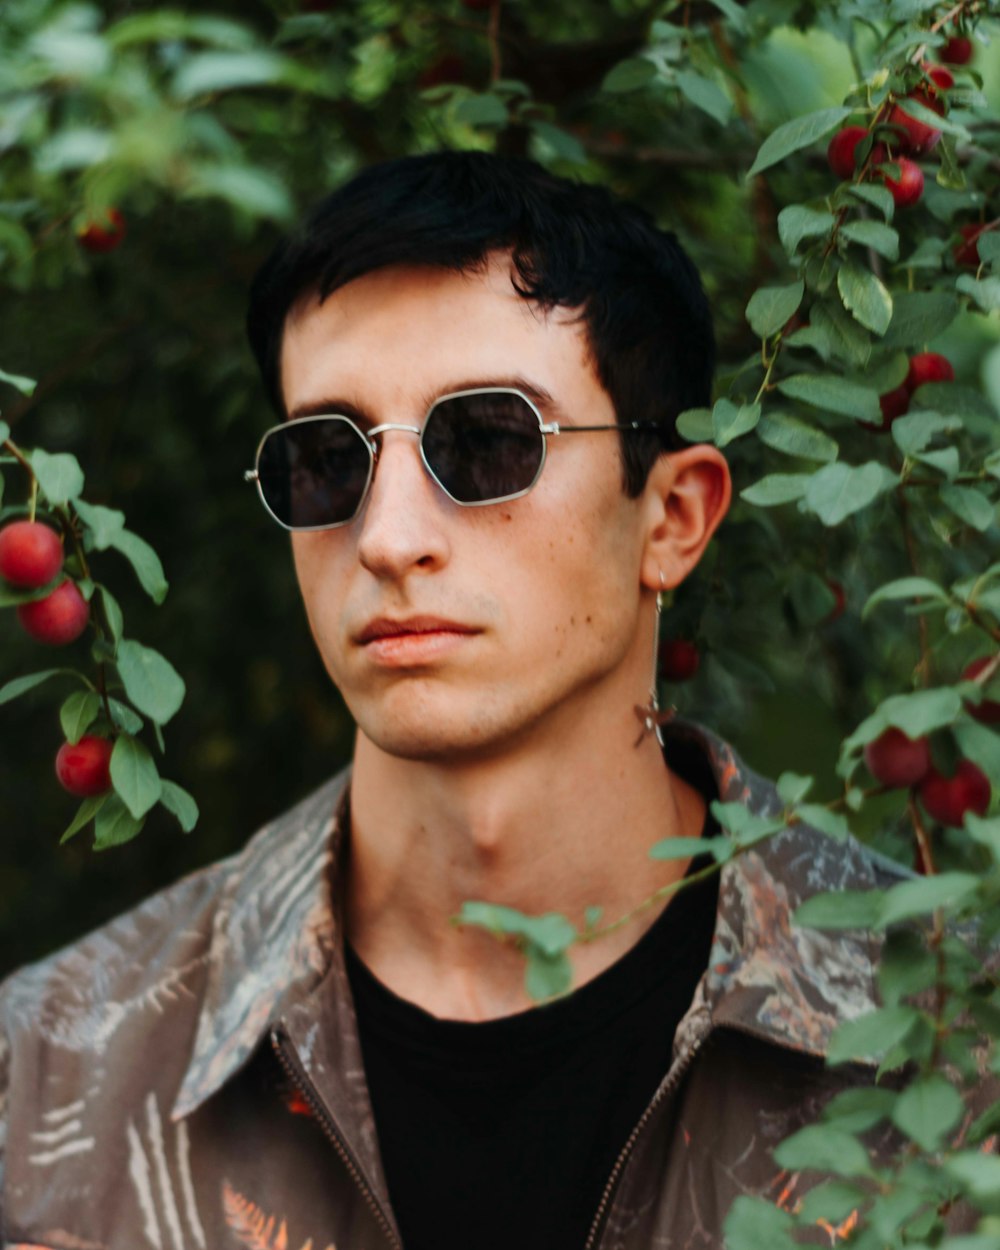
572	245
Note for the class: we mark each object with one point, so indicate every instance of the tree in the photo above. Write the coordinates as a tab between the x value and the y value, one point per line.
838	193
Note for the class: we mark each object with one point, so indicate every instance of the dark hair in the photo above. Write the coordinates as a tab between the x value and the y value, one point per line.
573	245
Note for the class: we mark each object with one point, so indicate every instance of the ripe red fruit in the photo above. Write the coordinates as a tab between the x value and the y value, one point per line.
57	619
943	79
679	659
987	710
910	185
840	152
894	404
912	135
966	253
947	799
957	51
31	554
896	760
840	601
84	767
102	235
929	367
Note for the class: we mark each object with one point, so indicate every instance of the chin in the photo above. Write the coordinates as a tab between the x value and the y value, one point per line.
422	732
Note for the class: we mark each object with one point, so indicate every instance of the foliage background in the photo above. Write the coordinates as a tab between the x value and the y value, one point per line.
210	129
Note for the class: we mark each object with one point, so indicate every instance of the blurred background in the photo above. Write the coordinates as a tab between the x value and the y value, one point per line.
209	128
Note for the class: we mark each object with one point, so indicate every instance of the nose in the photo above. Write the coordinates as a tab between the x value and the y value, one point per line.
402	524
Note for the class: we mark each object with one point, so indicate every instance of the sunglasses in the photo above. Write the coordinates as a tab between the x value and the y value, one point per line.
481	447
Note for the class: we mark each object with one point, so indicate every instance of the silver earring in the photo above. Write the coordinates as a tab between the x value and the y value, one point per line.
650	716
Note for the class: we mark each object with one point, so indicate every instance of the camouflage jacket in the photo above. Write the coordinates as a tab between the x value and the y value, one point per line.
150	1072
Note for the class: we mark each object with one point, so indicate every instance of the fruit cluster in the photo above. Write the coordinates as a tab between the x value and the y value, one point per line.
899	762
888	149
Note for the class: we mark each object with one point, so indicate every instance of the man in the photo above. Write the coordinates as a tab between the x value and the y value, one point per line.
478	367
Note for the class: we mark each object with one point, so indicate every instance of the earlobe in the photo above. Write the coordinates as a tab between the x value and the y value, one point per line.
688	493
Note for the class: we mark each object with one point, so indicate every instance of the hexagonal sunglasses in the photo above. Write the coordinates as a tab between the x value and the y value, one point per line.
482	446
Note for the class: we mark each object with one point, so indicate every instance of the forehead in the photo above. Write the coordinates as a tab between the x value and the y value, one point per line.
409	332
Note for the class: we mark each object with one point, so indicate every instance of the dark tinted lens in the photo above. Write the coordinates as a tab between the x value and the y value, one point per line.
314	471
483	446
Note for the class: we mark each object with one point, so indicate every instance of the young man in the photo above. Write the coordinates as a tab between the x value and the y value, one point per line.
477	367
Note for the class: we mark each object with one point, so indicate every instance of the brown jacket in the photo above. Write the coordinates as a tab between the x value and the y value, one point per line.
150	1072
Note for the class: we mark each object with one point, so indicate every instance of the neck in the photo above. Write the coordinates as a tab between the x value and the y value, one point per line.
561	824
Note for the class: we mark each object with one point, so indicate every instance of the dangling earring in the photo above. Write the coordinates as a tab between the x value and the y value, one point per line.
650	716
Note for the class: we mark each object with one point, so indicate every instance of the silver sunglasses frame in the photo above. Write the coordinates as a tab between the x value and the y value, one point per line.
368	438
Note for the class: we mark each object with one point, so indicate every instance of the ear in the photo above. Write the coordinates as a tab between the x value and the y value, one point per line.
686	497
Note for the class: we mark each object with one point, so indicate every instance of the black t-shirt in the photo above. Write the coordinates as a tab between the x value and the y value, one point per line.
503	1133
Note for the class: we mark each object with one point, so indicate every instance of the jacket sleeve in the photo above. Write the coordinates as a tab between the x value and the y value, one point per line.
4	1084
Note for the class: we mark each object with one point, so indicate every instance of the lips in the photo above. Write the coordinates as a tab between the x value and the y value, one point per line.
414	626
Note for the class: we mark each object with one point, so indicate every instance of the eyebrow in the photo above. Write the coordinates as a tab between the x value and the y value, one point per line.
330	405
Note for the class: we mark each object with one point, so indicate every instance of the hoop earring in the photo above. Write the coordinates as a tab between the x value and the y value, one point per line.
650	717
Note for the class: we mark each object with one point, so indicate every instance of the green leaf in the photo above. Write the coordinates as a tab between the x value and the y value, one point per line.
919	316
115	824
481	110
78	713
839	490
60	477
955	400
846	909
629	75
25	385
824	1148
914	108
927	1109
911	433
857	1110
729	422
151	682
969	505
546	976
945	461
985	291
112	613
756	1224
125	718
21	685
744	826
705	95
771	306
905	588
180	804
134	775
877	196
696	426
720	848
799	133
245	187
776	488
979	744
788	434
844	337
865	297
565	146
793	787
916	714
551	933
209	72
924	896
833	394
874	234
145	563
979	1173
833	824
85	813
102	522
796	222
870	1036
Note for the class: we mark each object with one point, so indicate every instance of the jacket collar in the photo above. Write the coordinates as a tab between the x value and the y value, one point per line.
277	931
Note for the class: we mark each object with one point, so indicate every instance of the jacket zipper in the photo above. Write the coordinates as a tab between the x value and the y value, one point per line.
297	1075
665	1090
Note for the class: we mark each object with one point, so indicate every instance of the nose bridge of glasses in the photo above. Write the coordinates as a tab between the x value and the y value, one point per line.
388	425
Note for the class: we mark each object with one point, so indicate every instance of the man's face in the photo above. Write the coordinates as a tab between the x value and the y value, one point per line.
505	620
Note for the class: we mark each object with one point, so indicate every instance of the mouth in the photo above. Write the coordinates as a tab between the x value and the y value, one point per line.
384	629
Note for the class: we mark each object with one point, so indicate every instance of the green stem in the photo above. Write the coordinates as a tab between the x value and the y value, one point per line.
663	892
